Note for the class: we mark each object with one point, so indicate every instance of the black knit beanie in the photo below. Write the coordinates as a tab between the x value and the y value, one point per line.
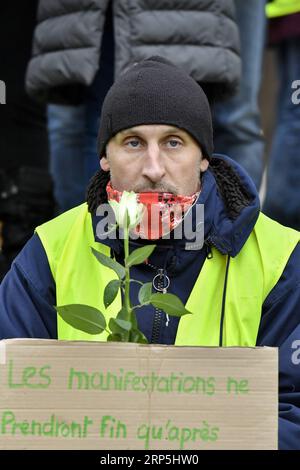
155	91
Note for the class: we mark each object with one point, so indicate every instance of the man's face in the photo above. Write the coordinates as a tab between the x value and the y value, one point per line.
154	157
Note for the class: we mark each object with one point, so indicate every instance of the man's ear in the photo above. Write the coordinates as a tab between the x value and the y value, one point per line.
104	163
204	165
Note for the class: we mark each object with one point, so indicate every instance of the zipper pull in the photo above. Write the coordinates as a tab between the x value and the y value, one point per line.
161	272
161	275
158	278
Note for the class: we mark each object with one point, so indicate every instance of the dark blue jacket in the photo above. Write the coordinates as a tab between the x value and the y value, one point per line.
27	294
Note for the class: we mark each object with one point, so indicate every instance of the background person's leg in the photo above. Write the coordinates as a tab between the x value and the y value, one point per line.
73	131
283	176
66	127
237	127
94	100
95	95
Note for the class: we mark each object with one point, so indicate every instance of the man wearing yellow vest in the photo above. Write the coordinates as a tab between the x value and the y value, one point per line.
241	283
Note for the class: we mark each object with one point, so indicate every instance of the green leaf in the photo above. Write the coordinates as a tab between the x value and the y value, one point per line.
145	293
111	292
137	336
110	263
169	303
114	337
139	255
116	325
83	317
123	314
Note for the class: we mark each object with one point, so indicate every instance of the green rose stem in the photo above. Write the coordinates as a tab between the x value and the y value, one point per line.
127	275
127	304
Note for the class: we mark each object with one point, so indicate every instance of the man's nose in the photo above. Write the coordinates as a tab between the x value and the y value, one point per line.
153	167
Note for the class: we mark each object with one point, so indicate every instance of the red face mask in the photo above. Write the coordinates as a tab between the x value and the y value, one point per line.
163	211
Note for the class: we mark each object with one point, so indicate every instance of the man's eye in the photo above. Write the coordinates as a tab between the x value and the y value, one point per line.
174	143
134	143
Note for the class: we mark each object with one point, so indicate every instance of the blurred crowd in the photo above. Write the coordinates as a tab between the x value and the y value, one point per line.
58	59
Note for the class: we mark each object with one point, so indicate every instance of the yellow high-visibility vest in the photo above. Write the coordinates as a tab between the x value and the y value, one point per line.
252	274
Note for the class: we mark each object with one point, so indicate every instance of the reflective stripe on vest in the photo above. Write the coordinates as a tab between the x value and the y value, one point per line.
81	279
282	8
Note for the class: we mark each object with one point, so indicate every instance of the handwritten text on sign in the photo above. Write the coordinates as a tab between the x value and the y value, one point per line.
83	395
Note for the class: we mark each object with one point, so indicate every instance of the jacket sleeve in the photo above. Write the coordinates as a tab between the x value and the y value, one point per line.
27	296
280	326
289	393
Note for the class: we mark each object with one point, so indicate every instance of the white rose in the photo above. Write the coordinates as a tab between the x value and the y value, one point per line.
129	208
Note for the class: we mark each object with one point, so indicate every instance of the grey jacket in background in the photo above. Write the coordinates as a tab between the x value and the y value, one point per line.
199	35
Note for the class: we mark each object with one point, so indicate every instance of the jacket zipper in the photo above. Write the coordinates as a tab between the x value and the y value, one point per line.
159	314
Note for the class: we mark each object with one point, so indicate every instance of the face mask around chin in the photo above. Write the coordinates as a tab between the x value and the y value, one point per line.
163	211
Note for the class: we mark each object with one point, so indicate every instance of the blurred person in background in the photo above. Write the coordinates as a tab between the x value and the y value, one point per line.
73	128
237	122
283	183
80	47
25	184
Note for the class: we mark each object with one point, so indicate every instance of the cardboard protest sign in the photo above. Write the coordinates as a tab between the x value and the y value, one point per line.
86	395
